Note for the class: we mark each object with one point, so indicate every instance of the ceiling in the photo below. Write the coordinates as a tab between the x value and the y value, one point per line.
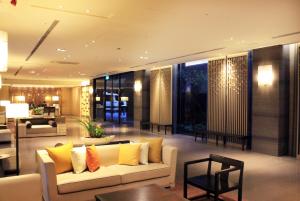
109	36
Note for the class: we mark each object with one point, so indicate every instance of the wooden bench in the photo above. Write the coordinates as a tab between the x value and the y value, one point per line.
224	136
166	126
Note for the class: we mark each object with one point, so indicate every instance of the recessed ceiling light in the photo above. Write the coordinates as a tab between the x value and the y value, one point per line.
141	57
87	11
86	45
61	50
93	41
60	6
32	72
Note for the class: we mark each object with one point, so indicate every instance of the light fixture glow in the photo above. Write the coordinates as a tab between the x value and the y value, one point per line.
17	110
61	50
91	90
124	98
55	98
265	75
137	86
0	81
3	51
4	103
20	98
98	98
198	62
85	83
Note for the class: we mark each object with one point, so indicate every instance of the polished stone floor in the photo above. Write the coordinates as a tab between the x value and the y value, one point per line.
266	178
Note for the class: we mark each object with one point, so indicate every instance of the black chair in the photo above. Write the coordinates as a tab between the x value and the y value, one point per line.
218	183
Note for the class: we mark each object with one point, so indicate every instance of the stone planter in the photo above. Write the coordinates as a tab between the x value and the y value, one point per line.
97	141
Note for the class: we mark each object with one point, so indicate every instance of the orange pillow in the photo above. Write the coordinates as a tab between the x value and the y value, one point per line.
92	158
62	157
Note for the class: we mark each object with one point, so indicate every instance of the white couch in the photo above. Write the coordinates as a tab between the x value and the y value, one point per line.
24	187
110	177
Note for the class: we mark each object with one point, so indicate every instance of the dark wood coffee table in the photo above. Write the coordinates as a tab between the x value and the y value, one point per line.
145	193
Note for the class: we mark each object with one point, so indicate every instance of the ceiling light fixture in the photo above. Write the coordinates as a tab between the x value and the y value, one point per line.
61	50
3	51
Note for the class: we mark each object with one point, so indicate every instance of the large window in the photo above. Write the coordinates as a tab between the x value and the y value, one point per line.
192	97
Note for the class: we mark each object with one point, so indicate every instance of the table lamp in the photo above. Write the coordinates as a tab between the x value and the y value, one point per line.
16	111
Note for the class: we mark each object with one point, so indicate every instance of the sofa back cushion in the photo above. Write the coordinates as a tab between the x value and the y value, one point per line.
108	154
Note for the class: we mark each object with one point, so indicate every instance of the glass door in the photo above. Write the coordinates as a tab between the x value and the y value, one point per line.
108	100
115	99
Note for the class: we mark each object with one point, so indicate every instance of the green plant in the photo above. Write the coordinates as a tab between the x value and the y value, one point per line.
95	130
38	111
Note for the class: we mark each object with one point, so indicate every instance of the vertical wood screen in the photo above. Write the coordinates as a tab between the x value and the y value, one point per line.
161	96
237	95
216	95
228	95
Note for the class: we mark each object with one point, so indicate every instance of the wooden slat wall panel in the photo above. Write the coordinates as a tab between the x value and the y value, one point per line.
161	96
165	116
154	96
237	95
228	95
216	95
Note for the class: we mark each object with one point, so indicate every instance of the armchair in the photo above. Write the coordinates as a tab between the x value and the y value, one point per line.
217	183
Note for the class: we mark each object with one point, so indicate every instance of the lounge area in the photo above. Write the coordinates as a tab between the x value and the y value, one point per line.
108	100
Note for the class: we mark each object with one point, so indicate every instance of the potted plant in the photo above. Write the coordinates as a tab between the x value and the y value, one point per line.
95	132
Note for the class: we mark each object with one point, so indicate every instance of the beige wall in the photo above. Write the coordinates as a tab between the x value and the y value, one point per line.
76	101
66	101
4	93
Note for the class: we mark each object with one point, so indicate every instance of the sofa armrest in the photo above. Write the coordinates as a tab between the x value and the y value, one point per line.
22	129
169	156
21	188
48	175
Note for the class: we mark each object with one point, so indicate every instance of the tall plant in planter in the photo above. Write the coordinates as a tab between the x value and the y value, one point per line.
95	130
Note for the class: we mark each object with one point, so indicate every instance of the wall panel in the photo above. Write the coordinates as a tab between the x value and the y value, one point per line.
161	96
228	95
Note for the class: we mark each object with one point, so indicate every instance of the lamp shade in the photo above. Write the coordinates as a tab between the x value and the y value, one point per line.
55	98
17	110
4	103
3	51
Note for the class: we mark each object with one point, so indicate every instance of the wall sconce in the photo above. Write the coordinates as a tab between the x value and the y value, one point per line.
3	51
55	98
265	75
124	98
137	86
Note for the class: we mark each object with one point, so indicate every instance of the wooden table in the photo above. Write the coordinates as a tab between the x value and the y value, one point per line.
145	193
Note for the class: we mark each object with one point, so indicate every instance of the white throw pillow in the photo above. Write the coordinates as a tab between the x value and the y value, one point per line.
78	157
144	148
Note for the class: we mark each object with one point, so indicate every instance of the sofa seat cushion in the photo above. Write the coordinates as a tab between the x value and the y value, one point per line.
104	177
131	174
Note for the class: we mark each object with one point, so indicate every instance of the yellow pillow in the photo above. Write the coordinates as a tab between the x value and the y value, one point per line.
62	157
155	146
129	154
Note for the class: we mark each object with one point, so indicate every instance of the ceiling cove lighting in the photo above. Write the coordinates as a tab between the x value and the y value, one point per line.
265	75
3	51
198	62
